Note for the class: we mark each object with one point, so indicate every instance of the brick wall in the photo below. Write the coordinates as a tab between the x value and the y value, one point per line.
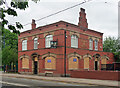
102	75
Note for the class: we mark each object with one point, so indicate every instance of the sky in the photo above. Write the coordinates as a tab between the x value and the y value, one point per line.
102	15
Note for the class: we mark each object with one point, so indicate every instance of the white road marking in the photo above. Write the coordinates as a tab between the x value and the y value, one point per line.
15	84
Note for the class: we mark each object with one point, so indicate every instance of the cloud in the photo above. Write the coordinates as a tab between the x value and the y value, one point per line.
101	16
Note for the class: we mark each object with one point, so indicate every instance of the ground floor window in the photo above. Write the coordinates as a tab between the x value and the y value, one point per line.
86	63
73	63
25	63
103	63
50	63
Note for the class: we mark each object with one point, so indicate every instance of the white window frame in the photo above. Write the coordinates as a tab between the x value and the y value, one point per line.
35	43
24	45
74	41
48	38
90	44
96	44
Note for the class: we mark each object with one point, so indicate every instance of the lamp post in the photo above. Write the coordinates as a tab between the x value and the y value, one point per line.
54	45
65	54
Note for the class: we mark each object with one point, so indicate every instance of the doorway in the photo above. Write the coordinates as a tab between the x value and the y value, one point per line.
96	65
35	67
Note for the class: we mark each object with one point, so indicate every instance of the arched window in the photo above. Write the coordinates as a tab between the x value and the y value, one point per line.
35	43
73	63
48	38
74	41
96	44
24	45
50	63
90	44
86	63
25	63
104	62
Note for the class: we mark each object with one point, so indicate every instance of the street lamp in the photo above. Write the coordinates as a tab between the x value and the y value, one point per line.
53	44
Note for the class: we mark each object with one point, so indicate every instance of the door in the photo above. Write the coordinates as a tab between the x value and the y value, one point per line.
96	65
35	67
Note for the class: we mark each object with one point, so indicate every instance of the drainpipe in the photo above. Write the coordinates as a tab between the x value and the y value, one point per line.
65	55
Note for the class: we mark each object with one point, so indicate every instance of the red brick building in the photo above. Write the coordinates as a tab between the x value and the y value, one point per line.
78	48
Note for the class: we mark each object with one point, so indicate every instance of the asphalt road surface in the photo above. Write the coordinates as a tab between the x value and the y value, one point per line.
9	82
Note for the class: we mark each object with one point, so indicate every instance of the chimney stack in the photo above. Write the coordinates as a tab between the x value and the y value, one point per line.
82	19
33	24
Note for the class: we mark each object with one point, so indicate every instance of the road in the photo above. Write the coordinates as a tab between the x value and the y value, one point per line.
9	82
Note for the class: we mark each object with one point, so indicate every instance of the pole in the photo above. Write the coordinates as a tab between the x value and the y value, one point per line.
4	41
65	56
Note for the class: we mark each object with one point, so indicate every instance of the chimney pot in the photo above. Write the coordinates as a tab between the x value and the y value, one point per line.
33	24
83	10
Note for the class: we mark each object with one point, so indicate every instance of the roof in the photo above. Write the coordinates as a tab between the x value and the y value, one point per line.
64	22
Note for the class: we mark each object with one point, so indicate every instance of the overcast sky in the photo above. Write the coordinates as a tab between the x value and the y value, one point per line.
102	15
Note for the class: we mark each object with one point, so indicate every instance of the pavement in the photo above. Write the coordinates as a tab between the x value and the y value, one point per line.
109	83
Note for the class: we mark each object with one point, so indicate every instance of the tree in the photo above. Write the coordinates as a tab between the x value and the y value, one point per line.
10	47
9	55
10	10
111	44
9	39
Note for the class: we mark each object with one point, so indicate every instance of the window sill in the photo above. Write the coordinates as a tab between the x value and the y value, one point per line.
86	69
91	49
36	49
49	69
96	50
75	47
47	47
24	50
25	68
73	69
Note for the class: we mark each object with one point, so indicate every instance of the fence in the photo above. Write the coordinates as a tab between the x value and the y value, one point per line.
10	68
111	67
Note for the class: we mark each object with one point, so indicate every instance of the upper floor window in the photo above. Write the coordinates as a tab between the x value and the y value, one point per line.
90	44
35	43
24	45
48	38
74	41
96	44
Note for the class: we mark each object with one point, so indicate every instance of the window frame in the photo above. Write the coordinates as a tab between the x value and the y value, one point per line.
90	44
24	45
74	41
35	43
48	38
96	44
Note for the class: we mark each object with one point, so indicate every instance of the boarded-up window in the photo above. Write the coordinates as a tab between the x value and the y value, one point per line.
73	63
25	63
103	61
86	63
50	63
